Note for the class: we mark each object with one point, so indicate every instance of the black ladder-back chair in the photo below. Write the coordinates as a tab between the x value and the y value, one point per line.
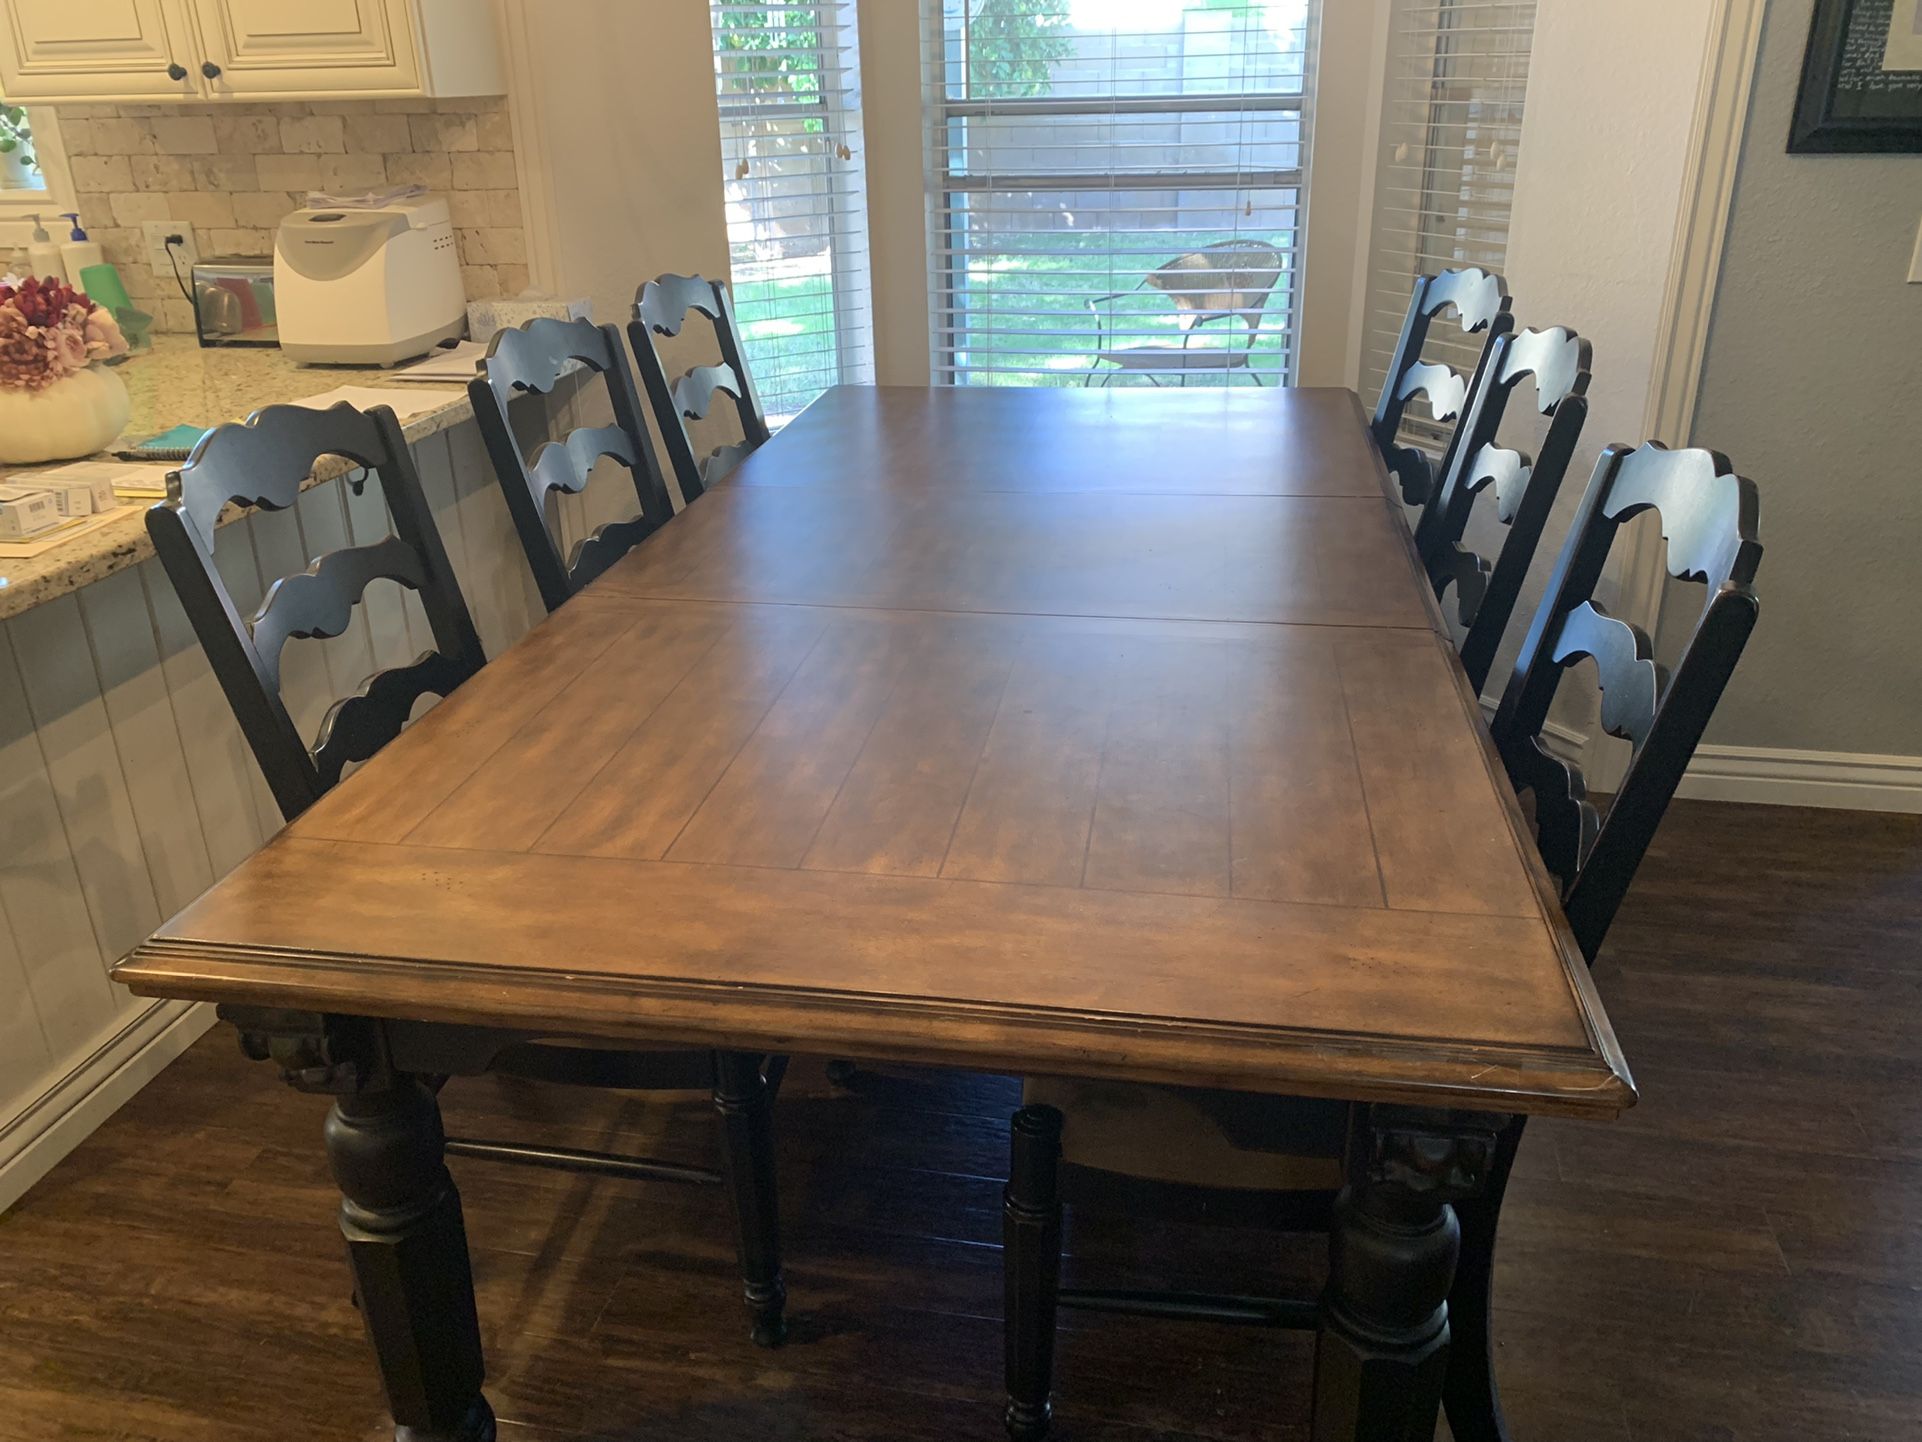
1276	1161
263	462
531	360
1525	487
1481	304
660	309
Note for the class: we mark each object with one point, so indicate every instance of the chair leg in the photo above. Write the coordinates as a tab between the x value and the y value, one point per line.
1031	1269
747	1135
1470	1393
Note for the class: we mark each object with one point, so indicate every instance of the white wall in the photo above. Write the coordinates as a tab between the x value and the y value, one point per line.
1612	92
892	75
1812	361
620	145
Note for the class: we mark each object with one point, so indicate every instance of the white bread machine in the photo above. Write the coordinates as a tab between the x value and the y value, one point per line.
368	286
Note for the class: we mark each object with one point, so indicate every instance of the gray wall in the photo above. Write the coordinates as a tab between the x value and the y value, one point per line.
1813	384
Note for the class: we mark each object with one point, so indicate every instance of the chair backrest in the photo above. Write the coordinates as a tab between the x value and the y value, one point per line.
1228	278
1525	487
660	309
1708	519
1481	304
531	359
263	462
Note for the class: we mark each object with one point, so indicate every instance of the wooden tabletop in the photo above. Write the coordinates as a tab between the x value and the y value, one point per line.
1099	733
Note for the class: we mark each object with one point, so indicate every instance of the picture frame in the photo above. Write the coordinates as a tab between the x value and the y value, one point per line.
1861	86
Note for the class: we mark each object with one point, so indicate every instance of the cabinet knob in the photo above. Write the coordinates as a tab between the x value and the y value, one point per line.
210	70
176	71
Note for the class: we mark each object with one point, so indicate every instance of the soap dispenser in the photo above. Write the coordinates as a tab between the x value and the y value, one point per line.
43	255
77	252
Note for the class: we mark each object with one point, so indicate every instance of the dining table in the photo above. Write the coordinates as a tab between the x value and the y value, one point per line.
1105	733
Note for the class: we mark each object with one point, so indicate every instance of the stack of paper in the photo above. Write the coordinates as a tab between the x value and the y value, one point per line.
454	365
406	401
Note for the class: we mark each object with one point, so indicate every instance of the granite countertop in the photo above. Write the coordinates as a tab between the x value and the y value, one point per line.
180	383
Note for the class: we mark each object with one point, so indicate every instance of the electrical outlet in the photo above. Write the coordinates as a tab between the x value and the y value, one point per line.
156	234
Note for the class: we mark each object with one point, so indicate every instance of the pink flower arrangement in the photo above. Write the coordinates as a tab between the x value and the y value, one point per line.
48	331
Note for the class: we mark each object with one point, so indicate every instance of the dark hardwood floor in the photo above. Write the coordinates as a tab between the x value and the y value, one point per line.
1738	1260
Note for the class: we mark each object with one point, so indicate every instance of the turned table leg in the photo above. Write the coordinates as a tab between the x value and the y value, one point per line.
1381	1355
747	1134
407	1246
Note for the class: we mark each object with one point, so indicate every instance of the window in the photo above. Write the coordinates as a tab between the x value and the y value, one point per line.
788	77
1119	189
19	169
1451	132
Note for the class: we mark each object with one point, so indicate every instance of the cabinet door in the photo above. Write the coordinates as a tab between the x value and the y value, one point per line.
309	47
53	50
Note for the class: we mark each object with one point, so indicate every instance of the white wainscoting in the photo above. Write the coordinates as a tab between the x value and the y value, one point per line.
126	788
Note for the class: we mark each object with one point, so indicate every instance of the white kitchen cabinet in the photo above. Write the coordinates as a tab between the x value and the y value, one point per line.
241	50
102	50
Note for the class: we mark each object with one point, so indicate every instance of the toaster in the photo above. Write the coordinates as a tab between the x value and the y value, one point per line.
368	286
234	301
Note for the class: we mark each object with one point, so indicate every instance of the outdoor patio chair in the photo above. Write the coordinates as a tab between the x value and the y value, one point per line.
1229	279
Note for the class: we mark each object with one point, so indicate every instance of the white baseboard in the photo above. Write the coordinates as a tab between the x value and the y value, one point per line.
1769	775
67	1112
1846	780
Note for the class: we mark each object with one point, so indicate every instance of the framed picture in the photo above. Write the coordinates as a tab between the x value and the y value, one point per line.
1862	79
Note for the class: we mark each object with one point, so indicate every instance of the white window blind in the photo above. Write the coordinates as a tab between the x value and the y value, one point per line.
1103	170
788	77
1451	133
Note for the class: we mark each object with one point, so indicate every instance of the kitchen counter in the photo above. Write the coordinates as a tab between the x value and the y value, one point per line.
180	383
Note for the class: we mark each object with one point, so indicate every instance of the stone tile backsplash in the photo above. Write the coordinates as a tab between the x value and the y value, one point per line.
232	171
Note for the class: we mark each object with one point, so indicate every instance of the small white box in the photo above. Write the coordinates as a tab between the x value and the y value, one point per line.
72	501
91	479
26	512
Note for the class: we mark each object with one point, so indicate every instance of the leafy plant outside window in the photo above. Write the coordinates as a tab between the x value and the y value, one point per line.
17	151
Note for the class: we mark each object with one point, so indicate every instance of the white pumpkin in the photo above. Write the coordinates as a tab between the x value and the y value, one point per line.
69	419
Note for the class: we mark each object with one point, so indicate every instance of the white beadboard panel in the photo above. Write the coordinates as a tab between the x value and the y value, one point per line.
63	696
497	583
437	481
239	566
219	767
306	686
24	1052
390	629
134	690
66	985
323	528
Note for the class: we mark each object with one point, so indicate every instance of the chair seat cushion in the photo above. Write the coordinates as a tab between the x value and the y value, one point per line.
1197	1137
1174	358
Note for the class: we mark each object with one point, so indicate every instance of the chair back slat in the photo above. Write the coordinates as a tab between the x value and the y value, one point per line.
1557	362
266	461
694	392
723	459
531	360
319	602
1481	303
357	726
1708	514
263	461
661	308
